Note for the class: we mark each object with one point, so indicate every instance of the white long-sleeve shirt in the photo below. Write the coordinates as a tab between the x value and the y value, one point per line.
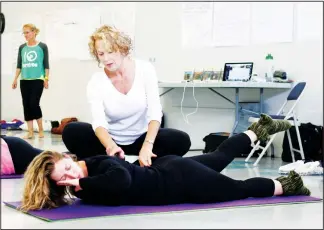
125	117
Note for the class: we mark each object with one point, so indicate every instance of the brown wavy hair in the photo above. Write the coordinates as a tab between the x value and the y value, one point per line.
40	191
116	41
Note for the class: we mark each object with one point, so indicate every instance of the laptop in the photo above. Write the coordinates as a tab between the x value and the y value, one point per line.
239	71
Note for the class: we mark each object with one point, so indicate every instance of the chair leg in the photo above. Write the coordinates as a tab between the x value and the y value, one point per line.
272	151
301	149
291	146
256	146
265	149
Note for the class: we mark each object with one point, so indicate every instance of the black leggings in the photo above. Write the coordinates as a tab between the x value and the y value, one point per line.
81	140
200	181
22	153
31	93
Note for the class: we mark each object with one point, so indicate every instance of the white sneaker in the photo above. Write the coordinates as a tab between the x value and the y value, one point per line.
290	167
310	168
318	171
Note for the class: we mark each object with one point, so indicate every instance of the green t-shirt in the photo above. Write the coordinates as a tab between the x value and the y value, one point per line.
33	60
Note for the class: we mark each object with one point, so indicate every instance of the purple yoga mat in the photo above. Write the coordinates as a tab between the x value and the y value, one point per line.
12	176
79	210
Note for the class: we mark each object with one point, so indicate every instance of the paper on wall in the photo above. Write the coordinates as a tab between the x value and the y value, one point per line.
6	54
68	32
231	25
309	21
197	19
122	16
10	42
272	22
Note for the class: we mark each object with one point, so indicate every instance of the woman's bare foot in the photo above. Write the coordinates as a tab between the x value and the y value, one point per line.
41	134
30	135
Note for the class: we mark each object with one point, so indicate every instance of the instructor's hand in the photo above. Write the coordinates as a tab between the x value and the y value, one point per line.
115	150
145	156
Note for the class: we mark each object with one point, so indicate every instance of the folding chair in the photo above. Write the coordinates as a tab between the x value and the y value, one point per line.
294	96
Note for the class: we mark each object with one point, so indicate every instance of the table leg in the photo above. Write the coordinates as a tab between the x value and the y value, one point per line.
261	100
165	92
236	110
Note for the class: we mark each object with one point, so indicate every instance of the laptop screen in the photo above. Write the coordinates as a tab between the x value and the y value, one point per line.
238	71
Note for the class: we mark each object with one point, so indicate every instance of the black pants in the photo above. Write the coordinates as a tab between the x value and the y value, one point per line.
81	140
31	93
198	179
22	153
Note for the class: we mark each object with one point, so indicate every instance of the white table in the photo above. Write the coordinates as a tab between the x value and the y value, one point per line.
228	84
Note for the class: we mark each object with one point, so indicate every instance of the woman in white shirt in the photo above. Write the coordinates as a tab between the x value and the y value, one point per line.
125	105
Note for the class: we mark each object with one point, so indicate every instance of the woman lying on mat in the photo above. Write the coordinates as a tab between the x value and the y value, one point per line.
171	179
16	154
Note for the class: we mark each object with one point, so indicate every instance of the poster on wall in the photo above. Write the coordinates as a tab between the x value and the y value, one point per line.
309	21
6	51
197	19
272	22
122	16
231	24
221	24
68	31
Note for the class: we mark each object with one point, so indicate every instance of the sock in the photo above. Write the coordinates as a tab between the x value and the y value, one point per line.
265	119
274	126
266	127
293	185
260	131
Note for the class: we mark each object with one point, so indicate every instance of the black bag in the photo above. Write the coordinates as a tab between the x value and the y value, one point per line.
213	140
55	124
312	141
163	120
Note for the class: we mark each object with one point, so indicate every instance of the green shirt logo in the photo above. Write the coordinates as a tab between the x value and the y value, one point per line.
32	63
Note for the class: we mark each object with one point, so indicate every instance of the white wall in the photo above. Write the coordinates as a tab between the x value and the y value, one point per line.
158	34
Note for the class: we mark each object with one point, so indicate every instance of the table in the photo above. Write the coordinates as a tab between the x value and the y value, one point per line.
237	85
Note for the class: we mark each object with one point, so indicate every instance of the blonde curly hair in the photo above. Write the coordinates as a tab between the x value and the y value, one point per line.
115	40
40	191
32	27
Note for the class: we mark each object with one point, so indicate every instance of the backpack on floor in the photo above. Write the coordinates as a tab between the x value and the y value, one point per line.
64	122
312	141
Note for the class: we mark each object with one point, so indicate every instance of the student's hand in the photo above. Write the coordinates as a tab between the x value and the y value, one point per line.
46	84
145	156
14	84
115	150
73	182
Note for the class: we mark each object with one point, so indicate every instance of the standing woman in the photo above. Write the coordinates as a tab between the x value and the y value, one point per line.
33	65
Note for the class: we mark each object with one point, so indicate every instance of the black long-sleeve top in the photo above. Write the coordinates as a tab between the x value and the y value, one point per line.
112	181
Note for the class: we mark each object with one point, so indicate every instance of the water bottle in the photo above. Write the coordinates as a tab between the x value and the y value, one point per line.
270	67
